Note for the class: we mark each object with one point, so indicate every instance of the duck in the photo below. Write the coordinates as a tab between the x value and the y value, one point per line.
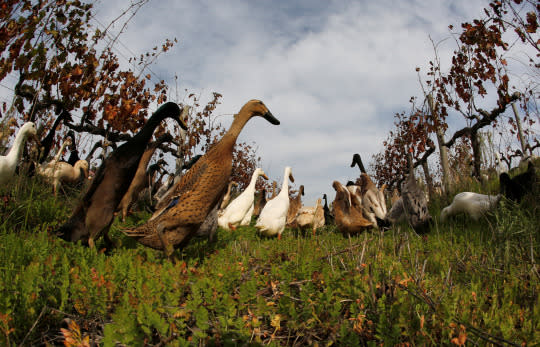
415	202
149	185
473	204
348	214
273	217
165	198
294	206
199	189
274	190
47	169
141	178
240	210
396	213
259	204
372	198
57	172
227	197
357	160
63	172
163	184
328	215
95	211
395	196
310	216
209	227
73	152
8	162
517	187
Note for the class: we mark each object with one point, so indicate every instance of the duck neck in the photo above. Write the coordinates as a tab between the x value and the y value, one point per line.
50	135
285	185
15	151
147	130
253	182
165	111
229	139
300	192
79	170
59	154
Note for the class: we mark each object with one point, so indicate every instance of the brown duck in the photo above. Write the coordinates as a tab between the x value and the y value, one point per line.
261	201
95	212
141	178
199	190
294	206
347	212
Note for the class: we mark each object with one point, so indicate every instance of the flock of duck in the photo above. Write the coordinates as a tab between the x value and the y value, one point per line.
198	202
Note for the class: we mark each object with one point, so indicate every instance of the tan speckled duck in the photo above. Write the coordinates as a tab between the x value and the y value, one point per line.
415	202
199	190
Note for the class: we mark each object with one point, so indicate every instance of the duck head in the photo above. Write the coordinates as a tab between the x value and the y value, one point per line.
355	159
342	194
288	173
258	172
29	130
175	110
258	108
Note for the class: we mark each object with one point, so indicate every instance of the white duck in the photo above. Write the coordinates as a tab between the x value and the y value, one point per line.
8	163
311	216
474	204
47	169
65	173
273	216
237	211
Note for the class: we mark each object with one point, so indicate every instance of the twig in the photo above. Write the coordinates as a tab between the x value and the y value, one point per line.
34	325
487	337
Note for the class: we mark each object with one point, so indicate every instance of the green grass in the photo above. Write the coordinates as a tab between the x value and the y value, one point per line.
472	282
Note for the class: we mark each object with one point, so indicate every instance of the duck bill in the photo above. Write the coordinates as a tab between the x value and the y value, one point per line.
291	178
264	176
270	117
181	123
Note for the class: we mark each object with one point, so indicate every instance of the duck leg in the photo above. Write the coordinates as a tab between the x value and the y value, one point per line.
109	243
91	243
167	247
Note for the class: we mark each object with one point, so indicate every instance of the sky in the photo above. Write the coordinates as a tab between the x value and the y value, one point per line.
333	72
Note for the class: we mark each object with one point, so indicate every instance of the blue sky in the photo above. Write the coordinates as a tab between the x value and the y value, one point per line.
333	72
